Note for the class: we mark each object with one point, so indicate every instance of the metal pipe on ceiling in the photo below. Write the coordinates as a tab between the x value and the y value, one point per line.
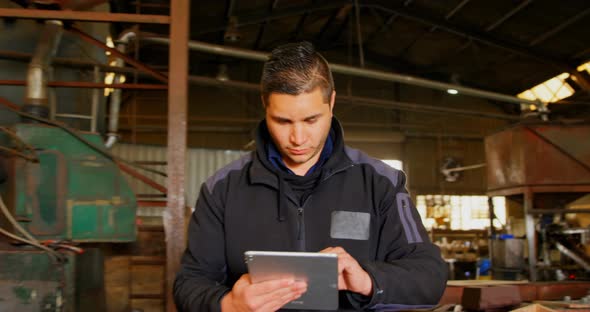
241	85
389	104
82	64
354	71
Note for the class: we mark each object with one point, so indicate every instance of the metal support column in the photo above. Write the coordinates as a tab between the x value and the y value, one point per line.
531	234
174	217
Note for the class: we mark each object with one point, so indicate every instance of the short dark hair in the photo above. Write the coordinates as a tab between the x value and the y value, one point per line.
296	68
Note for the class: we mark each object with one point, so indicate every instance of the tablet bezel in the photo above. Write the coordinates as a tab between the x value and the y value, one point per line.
319	270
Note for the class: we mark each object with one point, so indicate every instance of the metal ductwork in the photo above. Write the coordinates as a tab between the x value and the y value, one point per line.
355	71
39	68
112	136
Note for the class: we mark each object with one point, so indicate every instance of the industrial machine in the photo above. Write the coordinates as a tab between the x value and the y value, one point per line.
63	197
544	168
60	191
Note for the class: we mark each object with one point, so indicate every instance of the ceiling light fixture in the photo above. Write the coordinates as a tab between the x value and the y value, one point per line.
232	34
222	74
452	91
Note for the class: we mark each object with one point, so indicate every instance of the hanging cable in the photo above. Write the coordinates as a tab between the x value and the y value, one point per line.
29	238
52	253
13	221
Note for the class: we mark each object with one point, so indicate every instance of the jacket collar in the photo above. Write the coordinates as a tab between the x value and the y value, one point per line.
274	156
262	171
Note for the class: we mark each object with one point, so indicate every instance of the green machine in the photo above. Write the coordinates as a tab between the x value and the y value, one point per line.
62	189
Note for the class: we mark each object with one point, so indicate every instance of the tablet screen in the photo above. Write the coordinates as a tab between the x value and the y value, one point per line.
319	270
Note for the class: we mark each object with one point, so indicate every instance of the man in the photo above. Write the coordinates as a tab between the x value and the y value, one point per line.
304	190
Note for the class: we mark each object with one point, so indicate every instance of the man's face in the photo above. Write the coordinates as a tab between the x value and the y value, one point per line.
299	126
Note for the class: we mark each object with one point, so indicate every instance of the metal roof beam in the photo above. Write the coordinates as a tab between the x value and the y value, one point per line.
84	16
300	24
385	26
490	40
475	35
433	28
508	15
278	14
262	28
327	24
559	27
456	9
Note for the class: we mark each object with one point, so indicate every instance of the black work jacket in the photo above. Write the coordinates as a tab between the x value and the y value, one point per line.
358	203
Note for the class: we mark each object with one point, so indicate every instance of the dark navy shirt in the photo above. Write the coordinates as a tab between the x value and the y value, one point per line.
274	156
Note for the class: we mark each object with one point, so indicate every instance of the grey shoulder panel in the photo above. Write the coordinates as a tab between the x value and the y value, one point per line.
402	201
237	164
380	167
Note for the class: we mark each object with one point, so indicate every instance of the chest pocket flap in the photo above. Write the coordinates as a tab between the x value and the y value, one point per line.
350	225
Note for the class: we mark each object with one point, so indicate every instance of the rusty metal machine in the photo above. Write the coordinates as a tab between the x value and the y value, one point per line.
544	168
60	193
66	190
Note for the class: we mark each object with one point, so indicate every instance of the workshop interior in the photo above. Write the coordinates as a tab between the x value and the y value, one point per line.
113	113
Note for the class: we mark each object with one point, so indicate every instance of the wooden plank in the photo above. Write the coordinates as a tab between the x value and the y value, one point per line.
147	279
147	305
116	280
564	304
148	260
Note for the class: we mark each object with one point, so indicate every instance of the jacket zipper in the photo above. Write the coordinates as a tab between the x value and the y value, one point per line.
300	229
300	214
301	218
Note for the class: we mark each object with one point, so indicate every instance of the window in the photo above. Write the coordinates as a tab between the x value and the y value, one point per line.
551	90
460	212
584	67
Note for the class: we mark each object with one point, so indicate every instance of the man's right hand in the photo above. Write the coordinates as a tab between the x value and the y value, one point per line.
261	297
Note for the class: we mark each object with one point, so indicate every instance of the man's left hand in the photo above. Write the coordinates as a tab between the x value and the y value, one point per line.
351	275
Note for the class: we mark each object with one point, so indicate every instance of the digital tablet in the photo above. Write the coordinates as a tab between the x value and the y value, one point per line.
319	270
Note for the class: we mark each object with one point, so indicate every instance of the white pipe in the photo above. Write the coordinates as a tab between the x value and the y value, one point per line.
115	105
